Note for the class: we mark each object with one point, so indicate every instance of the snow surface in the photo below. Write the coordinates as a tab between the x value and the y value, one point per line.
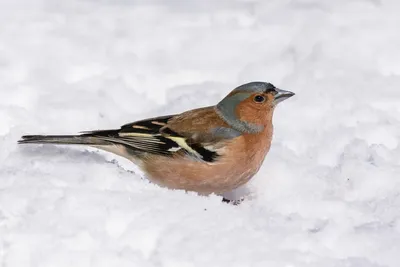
328	194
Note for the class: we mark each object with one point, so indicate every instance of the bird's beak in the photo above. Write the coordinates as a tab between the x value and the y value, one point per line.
282	95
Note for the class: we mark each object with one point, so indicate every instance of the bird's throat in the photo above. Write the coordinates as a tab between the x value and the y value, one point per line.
228	115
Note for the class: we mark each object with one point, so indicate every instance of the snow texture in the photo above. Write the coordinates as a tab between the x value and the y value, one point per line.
327	195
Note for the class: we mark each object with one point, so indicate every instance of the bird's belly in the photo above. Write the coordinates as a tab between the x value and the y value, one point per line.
204	178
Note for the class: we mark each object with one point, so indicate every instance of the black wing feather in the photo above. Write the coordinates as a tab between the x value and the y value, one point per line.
154	136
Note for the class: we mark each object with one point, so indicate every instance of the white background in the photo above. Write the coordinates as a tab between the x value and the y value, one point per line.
327	195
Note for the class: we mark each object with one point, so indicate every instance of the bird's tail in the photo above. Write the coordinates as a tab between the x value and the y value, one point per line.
90	138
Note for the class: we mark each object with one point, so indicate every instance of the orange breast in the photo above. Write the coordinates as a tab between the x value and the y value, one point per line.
240	159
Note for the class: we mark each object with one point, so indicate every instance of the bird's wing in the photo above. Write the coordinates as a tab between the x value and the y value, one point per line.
142	136
197	133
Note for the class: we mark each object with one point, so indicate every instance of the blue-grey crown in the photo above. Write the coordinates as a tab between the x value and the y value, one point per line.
255	87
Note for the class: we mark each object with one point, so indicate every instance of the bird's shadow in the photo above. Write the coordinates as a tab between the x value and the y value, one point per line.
72	154
53	152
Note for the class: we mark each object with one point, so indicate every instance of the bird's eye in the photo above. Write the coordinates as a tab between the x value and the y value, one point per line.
259	98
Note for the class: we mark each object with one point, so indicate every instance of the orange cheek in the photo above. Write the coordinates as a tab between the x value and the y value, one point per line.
249	111
258	113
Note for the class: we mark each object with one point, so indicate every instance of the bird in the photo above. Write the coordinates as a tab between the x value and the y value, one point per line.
208	150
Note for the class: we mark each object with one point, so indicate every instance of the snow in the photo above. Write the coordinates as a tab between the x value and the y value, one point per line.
327	195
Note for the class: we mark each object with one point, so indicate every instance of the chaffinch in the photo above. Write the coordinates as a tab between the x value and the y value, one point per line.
207	150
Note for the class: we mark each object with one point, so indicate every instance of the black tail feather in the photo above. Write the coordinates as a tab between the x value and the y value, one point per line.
84	139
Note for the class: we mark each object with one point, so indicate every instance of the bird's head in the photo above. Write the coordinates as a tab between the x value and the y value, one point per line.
249	107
